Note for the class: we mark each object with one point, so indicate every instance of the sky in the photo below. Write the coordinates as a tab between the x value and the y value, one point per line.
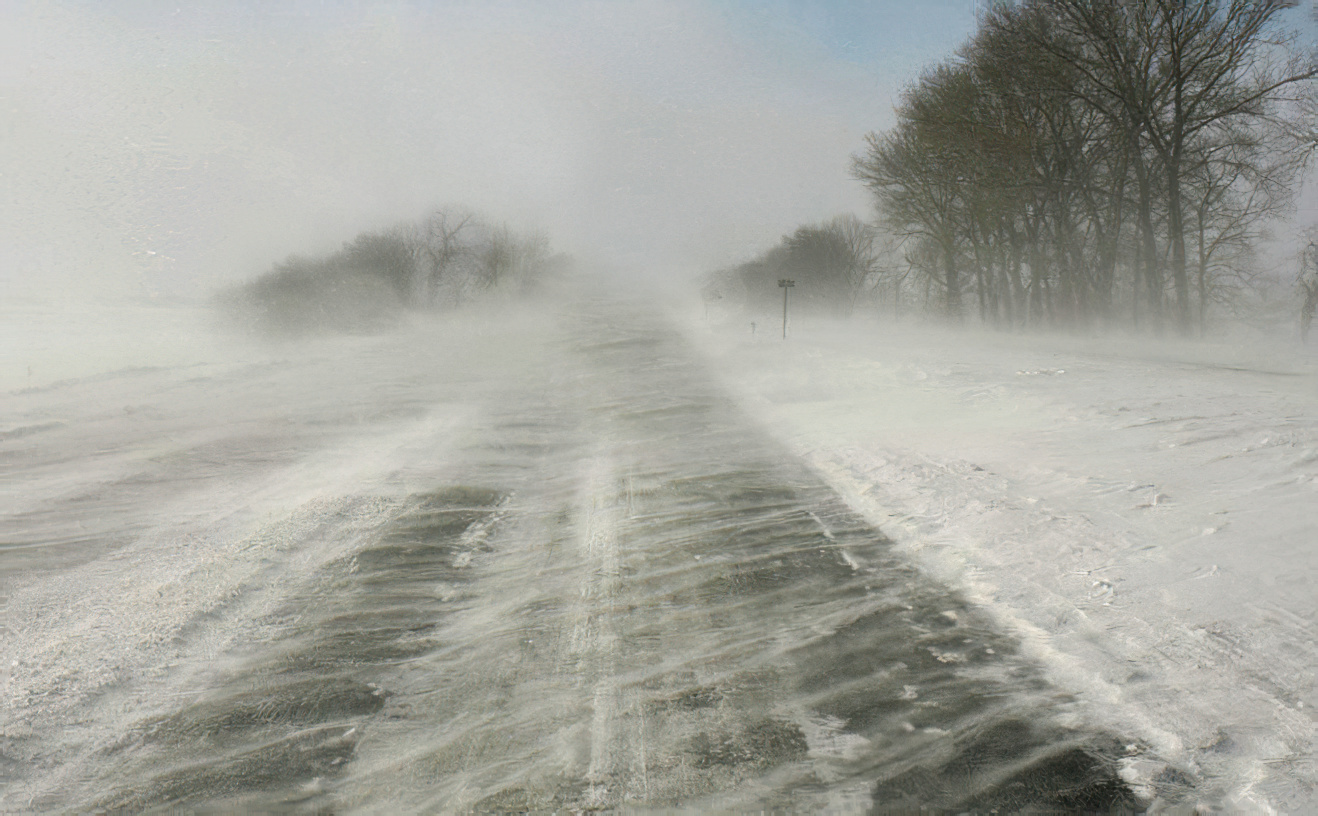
159	149
153	149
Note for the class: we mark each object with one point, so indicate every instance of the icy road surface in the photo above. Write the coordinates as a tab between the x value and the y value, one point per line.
542	563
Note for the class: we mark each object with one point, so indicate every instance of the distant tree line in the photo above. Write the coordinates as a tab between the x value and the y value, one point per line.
450	258
1081	162
834	265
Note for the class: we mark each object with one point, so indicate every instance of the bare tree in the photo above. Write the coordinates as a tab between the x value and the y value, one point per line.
917	173
862	258
1174	70
439	245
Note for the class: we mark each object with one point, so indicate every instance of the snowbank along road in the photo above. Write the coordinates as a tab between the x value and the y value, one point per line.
1142	514
543	565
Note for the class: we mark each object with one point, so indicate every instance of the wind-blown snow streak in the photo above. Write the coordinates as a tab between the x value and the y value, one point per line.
1143	516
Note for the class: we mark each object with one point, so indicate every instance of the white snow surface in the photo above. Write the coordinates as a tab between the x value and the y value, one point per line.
1142	512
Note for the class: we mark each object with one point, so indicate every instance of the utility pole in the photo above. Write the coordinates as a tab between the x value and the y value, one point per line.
785	284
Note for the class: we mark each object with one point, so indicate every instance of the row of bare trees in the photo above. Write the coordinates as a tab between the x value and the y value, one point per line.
457	256
447	259
1081	162
834	265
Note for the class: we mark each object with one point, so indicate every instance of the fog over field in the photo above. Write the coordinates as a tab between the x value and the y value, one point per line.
173	147
737	406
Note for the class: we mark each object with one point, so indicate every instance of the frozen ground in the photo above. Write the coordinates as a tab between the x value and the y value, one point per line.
586	555
1144	513
44	341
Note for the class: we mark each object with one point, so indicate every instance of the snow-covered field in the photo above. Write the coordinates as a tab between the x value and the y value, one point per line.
44	342
1144	512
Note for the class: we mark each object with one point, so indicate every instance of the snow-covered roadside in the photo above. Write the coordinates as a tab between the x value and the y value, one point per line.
44	343
1144	514
157	515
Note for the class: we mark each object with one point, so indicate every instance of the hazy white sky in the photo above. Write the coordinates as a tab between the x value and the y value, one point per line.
161	146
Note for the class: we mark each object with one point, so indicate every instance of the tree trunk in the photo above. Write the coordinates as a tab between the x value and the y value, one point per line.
952	280
1065	313
1109	237
1176	234
1148	246
1203	276
980	294
1016	295
1037	264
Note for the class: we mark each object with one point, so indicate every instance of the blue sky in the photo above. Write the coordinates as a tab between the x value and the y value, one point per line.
164	147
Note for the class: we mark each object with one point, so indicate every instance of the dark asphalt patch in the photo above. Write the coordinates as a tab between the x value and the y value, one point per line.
295	713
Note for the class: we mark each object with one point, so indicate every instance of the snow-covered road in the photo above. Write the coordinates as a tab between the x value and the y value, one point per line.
549	561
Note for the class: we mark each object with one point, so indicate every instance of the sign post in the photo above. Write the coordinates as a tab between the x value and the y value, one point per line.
785	284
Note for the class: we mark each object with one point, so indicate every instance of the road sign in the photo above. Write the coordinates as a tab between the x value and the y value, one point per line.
785	284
